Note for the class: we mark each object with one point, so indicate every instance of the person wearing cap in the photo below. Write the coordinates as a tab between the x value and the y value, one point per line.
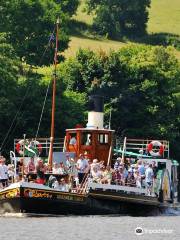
3	172
82	165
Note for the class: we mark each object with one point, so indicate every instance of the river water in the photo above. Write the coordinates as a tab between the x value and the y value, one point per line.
17	227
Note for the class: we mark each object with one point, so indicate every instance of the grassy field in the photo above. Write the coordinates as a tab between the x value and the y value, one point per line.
96	45
164	16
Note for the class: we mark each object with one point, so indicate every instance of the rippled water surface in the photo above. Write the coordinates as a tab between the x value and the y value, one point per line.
18	227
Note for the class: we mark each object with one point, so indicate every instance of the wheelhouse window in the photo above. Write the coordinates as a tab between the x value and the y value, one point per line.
103	138
72	138
86	138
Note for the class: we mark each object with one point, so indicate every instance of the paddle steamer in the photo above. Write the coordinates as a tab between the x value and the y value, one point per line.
96	142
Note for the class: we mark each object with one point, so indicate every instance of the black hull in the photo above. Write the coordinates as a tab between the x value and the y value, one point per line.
44	206
57	203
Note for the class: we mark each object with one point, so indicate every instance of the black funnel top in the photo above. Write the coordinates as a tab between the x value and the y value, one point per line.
96	103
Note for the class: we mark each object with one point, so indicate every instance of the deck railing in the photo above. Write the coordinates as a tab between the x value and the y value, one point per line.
58	145
135	145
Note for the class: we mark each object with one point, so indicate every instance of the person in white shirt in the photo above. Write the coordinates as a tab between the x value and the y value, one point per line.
96	175
94	165
63	186
55	168
149	179
3	172
62	169
72	141
11	172
82	165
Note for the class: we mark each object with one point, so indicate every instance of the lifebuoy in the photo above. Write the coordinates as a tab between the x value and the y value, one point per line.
155	144
29	147
19	147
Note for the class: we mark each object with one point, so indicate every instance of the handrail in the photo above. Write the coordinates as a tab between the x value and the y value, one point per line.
83	185
135	145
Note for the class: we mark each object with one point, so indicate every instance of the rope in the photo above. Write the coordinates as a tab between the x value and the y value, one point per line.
42	111
42	57
26	93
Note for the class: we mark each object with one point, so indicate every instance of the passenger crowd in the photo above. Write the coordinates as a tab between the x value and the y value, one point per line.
74	173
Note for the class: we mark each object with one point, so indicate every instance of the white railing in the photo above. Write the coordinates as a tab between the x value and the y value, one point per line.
58	145
135	145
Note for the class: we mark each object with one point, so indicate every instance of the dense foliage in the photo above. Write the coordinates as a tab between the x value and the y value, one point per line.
138	83
22	92
119	17
9	74
30	23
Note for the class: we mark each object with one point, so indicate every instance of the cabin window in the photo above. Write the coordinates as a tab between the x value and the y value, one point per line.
103	138
86	138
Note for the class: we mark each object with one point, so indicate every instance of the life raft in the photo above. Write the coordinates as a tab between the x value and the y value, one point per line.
33	148
155	144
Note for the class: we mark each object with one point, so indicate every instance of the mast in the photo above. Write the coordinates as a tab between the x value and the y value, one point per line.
50	157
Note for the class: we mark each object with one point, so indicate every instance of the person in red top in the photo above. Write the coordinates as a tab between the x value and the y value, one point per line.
40	170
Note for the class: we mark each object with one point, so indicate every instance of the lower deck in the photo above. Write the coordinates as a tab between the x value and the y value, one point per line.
35	198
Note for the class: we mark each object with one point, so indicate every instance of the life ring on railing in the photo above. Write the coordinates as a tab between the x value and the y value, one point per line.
34	147
19	147
155	144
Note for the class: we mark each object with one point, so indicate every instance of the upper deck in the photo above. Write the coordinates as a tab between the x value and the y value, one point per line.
143	148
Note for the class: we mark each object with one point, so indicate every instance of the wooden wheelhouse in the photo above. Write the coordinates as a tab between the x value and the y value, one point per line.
93	143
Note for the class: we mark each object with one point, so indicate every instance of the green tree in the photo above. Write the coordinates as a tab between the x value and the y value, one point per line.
119	17
29	24
138	83
9	73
